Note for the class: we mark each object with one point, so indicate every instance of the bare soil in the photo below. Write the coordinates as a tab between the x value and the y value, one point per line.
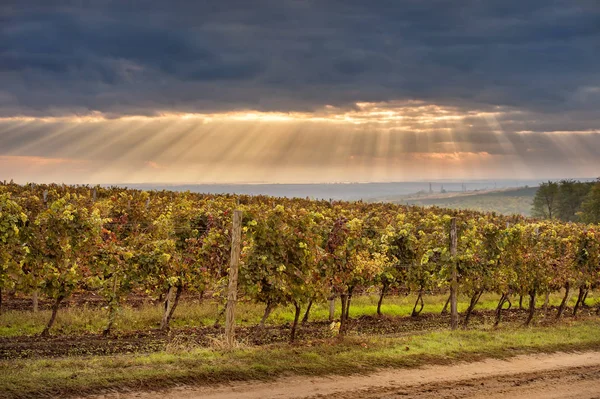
90	300
559	375
153	340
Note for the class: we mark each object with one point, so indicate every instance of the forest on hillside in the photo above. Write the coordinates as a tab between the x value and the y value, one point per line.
568	201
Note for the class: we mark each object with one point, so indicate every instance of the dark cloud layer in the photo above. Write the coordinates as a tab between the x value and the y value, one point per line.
140	57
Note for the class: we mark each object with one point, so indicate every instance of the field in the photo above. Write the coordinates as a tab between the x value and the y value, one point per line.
110	289
78	359
506	201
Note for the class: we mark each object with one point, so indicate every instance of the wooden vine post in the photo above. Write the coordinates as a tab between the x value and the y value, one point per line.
236	247
35	294
454	276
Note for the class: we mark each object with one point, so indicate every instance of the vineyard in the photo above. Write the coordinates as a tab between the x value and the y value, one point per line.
58	241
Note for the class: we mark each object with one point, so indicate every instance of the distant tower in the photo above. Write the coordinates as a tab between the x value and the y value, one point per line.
430	189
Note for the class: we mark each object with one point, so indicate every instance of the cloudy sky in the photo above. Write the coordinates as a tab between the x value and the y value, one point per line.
298	91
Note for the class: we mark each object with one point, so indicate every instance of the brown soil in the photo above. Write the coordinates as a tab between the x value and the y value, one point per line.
559	375
90	300
156	340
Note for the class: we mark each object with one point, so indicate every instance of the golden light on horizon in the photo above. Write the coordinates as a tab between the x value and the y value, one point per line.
378	113
367	142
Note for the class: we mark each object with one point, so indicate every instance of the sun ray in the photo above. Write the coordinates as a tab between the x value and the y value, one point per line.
372	141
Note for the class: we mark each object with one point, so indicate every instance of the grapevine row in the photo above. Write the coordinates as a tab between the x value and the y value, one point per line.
56	240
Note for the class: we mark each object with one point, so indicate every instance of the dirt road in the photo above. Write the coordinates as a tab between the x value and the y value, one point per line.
560	375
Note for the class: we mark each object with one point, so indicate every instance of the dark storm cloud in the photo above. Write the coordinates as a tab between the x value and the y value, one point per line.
138	57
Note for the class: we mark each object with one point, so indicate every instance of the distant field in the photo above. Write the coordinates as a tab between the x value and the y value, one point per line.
507	201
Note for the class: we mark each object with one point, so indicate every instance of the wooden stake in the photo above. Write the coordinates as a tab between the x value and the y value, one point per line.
236	235
34	300
331	308
454	281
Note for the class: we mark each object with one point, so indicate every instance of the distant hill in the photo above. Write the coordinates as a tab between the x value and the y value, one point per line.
506	201
339	191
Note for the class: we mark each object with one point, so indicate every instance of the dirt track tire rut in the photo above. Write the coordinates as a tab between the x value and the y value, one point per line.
558	375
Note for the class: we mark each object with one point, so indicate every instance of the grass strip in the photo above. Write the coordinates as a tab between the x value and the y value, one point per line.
201	366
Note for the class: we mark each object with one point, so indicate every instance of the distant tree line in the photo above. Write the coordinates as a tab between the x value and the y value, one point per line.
569	201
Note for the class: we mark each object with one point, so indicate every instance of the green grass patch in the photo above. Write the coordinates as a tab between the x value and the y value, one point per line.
203	366
190	313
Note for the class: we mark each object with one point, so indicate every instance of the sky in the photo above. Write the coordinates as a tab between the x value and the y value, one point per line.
290	91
